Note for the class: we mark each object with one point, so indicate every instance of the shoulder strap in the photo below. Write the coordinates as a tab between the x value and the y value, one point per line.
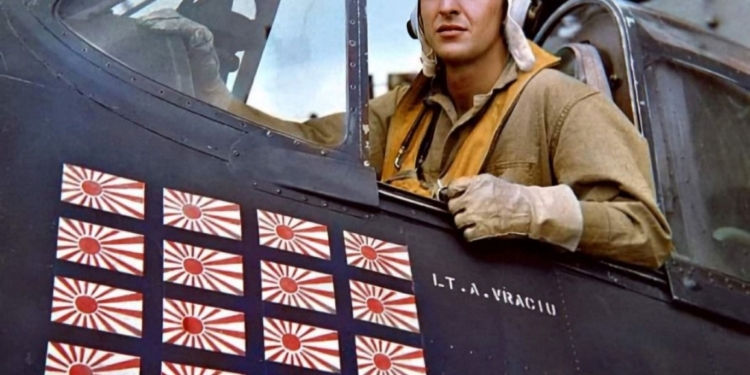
476	149
409	121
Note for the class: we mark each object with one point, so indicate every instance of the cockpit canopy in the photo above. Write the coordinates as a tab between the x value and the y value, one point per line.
285	59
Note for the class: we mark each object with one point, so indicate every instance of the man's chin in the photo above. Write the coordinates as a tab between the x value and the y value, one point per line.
455	53
455	58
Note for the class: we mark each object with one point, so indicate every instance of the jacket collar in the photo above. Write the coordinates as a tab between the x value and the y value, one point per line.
439	94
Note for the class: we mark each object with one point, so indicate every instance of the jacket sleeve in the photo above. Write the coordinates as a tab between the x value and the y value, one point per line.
329	130
601	156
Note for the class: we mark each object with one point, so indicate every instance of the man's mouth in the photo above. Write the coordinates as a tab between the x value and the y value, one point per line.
450	30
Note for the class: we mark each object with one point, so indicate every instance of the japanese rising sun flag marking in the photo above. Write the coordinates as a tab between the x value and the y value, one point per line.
101	247
177	369
378	256
203	327
203	268
201	214
101	191
378	357
295	235
384	306
301	345
297	287
98	307
64	359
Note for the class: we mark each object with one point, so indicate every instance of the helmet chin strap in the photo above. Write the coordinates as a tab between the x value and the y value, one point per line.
514	36
428	58
515	39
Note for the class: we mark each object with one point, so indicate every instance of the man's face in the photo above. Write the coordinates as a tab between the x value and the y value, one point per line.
461	31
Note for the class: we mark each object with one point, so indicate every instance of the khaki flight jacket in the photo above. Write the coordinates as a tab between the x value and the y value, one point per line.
560	131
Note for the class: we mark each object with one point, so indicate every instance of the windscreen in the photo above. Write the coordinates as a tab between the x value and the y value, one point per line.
706	120
280	64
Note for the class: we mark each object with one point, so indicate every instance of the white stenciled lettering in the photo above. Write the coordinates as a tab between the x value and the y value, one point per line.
450	282
550	309
519	301
474	289
435	281
530	304
507	297
496	293
501	295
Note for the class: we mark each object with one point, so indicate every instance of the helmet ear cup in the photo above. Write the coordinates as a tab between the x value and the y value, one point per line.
412	26
411	30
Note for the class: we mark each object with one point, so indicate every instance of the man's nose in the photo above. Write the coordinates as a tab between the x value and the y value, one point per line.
449	8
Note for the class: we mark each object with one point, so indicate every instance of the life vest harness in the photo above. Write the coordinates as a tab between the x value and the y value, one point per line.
410	126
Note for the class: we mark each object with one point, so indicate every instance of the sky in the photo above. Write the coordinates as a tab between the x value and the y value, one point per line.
303	68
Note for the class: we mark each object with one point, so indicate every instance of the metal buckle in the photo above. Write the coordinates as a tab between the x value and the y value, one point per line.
397	163
439	192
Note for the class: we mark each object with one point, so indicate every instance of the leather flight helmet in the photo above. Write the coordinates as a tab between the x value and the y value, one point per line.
524	12
521	13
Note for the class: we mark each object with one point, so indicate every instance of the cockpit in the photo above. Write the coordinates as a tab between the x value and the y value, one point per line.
277	63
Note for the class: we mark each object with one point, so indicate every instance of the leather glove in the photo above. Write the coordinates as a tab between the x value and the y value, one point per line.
486	206
204	60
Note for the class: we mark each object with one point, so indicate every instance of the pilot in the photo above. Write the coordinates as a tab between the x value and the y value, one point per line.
519	149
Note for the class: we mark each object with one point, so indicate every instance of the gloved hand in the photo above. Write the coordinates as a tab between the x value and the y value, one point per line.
486	206
204	61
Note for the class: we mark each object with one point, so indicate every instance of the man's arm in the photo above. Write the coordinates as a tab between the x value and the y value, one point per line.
600	155
603	201
328	130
